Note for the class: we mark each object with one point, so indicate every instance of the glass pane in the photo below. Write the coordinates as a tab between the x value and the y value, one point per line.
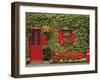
33	37
66	33
38	37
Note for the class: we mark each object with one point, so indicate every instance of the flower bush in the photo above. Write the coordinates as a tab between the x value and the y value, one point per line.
67	56
73	55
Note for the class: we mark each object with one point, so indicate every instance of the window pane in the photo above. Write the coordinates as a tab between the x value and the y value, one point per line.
38	37
33	37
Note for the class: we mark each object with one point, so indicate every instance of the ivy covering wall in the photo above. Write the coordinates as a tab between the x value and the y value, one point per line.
78	23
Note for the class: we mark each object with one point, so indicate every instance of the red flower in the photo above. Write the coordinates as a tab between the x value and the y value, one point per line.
88	56
73	55
56	57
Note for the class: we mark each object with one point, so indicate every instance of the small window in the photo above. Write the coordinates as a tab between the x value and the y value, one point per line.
66	33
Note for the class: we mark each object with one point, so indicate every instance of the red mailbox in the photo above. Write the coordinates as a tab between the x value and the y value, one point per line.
35	45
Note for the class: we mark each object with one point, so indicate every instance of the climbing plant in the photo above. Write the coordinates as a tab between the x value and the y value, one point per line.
78	23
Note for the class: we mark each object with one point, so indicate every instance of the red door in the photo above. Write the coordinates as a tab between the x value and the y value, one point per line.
35	46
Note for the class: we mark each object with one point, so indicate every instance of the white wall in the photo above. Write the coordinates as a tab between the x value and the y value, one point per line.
5	41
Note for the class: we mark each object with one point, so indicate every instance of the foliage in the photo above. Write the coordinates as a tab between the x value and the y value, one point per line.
78	23
47	52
